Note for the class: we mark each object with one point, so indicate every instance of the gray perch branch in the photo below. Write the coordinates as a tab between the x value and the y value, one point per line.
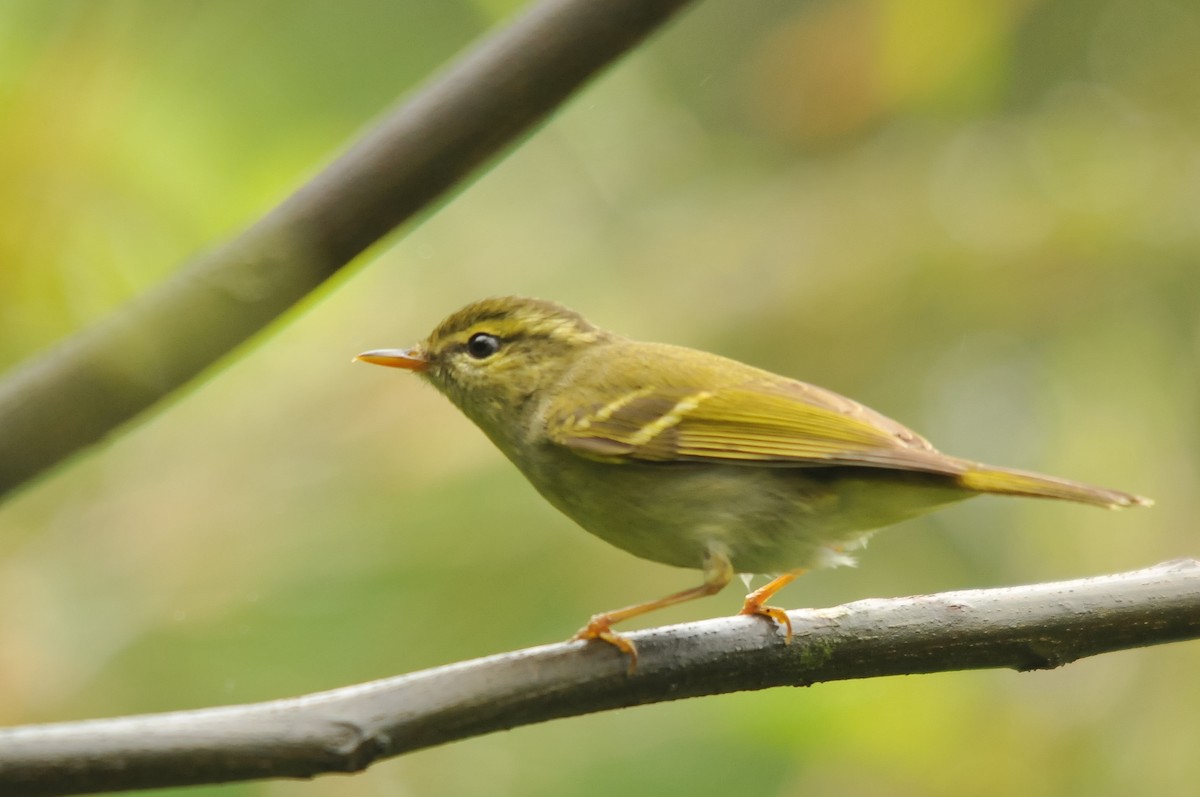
345	730
74	395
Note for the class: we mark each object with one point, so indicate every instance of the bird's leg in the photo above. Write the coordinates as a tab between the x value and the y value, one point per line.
756	602
718	571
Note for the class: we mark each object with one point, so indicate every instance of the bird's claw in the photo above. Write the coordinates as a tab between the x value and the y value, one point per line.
600	627
773	613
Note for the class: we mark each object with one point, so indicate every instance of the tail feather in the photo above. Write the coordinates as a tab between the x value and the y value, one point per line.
990	479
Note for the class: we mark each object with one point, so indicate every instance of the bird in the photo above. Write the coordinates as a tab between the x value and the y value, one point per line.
691	459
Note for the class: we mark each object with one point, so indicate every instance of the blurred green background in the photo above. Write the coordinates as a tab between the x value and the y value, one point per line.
979	218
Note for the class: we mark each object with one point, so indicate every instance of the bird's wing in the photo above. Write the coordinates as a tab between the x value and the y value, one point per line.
781	423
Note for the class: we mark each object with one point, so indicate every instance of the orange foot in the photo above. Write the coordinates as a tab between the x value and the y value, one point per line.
600	627
756	602
771	612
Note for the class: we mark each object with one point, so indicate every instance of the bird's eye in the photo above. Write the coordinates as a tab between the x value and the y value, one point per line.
482	345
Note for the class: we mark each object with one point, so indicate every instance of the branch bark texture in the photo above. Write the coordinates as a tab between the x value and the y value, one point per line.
73	396
345	730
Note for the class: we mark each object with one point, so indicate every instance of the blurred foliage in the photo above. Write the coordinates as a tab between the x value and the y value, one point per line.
980	218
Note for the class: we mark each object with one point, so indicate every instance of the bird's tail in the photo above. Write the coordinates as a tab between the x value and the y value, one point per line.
991	479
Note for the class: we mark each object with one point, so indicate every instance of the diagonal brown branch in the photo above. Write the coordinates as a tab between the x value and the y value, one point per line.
73	396
345	730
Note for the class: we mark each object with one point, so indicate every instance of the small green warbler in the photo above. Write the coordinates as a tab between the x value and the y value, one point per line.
689	458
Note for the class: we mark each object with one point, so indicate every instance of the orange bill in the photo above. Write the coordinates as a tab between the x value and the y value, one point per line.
408	359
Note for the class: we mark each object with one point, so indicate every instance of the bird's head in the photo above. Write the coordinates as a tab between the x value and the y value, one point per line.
493	356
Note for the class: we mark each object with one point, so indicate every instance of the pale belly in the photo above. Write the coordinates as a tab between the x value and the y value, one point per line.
767	520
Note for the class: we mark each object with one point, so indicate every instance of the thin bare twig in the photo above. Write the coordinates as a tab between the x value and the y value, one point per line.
345	730
70	398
